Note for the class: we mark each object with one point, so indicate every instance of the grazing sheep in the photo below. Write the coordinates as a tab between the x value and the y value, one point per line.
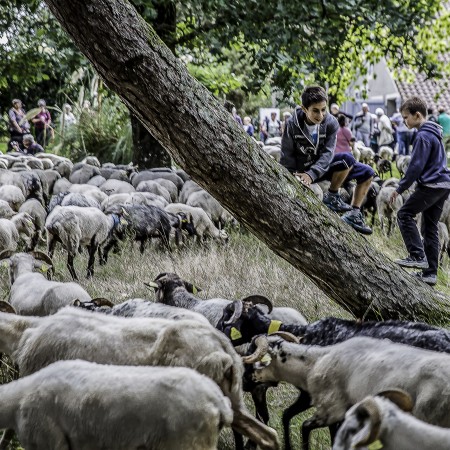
13	195
204	200
71	333
402	163
61	185
97	181
76	226
112	186
387	209
383	165
138	307
31	293
82	173
340	375
154	174
386	152
154	187
115	407
38	216
382	420
188	188
26	229
367	154
72	199
203	225
92	160
6	212
9	236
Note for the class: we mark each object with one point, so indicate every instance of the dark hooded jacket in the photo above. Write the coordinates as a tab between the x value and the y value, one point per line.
428	164
298	152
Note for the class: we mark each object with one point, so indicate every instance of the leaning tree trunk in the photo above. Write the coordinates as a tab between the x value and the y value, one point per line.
204	139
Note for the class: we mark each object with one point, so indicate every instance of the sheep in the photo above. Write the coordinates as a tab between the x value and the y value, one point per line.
110	173
383	165
38	215
31	293
340	375
138	307
87	189
135	198
153	174
72	199
76	226
183	175
188	188
387	209
26	229
61	185
6	212
114	407
13	195
383	420
367	154
154	187
91	160
112	186
171	188
204	200
402	163
71	333
250	321
386	152
356	153
97	181
203	225
82	173
9	236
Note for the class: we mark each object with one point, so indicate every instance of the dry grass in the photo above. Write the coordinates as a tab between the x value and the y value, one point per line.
245	266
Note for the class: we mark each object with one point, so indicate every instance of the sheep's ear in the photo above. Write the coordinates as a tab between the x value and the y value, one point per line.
6	255
191	288
369	417
100	301
7	308
400	398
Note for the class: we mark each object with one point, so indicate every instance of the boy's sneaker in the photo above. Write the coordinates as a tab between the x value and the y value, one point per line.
355	219
335	203
428	279
415	263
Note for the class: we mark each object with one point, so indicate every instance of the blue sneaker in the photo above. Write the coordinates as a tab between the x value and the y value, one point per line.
355	219
335	203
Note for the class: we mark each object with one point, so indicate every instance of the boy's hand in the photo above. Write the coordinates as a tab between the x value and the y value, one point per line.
304	178
393	197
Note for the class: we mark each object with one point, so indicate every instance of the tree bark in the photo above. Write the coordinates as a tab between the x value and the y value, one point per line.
205	141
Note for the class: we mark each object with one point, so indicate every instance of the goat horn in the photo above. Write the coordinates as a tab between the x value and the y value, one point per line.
6	254
259	300
100	301
288	337
7	308
238	308
42	256
151	284
163	274
401	398
370	407
262	345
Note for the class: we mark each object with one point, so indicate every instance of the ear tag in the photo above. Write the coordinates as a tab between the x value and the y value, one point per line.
194	290
377	445
44	268
123	221
5	264
235	334
274	326
266	359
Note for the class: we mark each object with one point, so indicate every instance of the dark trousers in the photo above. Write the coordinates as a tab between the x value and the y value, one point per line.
429	202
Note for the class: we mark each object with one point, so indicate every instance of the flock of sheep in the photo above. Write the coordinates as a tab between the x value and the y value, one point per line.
171	374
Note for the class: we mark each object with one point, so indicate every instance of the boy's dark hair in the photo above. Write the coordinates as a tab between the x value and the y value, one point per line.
313	94
414	105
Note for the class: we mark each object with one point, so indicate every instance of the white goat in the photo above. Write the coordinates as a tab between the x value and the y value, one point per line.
386	209
71	333
379	419
114	407
31	293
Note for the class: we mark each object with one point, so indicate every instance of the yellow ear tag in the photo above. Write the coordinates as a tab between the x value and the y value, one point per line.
266	359
235	334
274	326
123	221
44	268
194	290
377	445
5	264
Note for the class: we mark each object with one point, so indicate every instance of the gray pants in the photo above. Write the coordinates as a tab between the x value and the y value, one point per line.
363	136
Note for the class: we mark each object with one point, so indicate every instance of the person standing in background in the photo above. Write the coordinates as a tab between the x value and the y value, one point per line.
363	125
385	128
42	124
248	127
344	136
18	124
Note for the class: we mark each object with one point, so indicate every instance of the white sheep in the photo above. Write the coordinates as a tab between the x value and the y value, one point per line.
203	225
340	375
13	195
383	423
189	187
153	187
386	209
386	152
81	405
71	333
6	212
9	236
402	163
26	229
76	227
203	199
31	293
112	186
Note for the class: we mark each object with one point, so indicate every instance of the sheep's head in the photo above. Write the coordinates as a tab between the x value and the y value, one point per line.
186	222
165	283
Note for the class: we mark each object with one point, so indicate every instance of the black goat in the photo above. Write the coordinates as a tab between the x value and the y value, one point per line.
252	322
383	165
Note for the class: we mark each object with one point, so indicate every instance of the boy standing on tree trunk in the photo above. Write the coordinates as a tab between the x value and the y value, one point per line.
428	168
307	151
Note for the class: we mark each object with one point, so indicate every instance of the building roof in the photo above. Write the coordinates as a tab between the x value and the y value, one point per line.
434	92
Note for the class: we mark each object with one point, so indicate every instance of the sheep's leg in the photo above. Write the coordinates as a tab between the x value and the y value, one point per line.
259	398
92	249
238	440
142	246
302	403
72	272
310	425
104	258
51	244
